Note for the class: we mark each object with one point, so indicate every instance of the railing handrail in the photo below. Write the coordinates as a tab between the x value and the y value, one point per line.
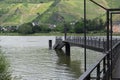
85	74
94	66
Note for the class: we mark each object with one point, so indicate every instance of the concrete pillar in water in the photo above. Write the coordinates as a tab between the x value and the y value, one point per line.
50	44
67	49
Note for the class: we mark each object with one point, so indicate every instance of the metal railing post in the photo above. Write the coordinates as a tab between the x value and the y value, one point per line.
85	35
98	72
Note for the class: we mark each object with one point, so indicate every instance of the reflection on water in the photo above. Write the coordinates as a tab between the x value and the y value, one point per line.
72	66
30	59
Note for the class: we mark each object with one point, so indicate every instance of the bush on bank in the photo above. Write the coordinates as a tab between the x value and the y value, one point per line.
28	28
25	29
4	68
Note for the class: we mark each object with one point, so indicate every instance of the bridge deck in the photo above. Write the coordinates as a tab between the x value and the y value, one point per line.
93	43
88	46
98	44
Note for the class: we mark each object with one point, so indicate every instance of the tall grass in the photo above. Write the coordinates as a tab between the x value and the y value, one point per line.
4	68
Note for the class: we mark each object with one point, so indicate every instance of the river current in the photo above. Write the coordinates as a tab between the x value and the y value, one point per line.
31	59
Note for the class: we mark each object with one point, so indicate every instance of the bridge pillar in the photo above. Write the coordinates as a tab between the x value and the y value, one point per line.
50	44
67	49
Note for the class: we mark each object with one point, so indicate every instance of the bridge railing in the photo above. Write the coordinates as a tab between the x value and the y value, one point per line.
90	41
96	42
99	42
104	66
58	39
97	66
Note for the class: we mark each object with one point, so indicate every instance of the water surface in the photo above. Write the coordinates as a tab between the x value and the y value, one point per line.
30	59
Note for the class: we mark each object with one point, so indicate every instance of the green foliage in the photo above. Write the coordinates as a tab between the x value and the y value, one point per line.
91	25
114	4
25	28
3	11
28	28
20	13
67	27
45	28
58	28
28	1
37	29
41	29
61	27
71	10
79	27
95	25
4	73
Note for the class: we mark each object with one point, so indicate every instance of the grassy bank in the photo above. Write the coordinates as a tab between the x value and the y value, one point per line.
4	66
56	34
35	34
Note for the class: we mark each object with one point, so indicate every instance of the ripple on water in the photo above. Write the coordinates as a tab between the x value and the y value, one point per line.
30	59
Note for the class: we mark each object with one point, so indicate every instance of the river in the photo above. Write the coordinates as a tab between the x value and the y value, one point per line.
30	59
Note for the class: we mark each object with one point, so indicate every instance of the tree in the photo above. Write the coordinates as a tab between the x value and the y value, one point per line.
37	29
45	28
66	26
25	28
79	27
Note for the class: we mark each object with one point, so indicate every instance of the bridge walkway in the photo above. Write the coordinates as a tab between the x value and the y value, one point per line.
93	43
109	61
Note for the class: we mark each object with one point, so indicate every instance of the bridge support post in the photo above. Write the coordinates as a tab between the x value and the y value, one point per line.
67	49
50	44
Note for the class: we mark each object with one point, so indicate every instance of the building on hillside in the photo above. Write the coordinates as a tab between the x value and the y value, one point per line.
35	23
116	27
52	26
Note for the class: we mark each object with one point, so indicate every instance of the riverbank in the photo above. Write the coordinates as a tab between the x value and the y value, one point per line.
56	34
4	68
35	34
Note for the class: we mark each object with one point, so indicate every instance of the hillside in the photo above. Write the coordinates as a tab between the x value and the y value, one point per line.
19	13
72	10
16	12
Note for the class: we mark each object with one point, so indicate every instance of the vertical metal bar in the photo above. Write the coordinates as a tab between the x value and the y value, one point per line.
65	31
108	65
99	43
91	41
80	40
111	42
116	40
95	42
107	29
104	45
85	34
108	56
98	72
88	77
104	65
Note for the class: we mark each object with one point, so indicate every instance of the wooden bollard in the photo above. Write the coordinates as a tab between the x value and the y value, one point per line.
50	44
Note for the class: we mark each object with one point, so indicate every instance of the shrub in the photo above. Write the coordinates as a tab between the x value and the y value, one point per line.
4	73
79	27
45	28
41	28
37	29
25	29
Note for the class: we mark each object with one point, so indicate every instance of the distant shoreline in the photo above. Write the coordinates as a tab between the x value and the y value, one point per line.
56	34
